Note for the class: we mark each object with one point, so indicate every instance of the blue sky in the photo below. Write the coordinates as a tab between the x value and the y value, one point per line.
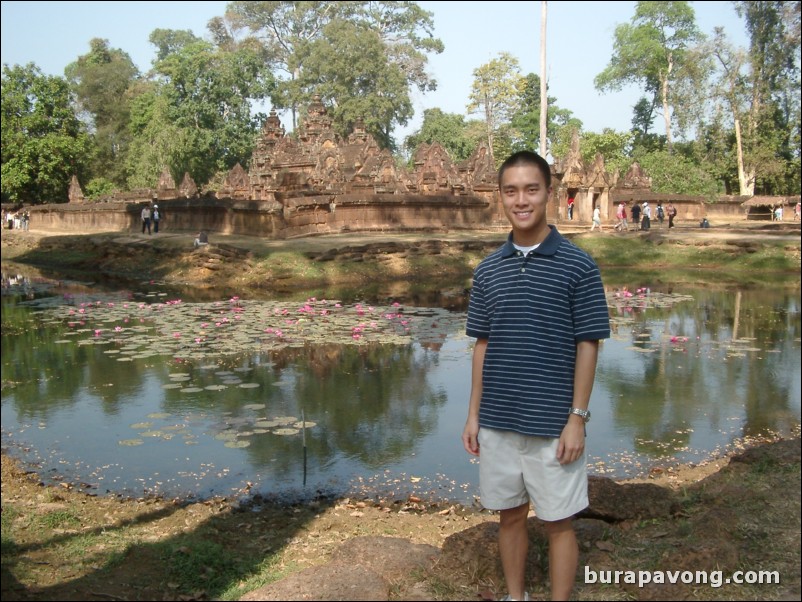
579	43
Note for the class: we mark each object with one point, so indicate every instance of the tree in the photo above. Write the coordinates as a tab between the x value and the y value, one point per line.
296	35
651	51
675	173
773	115
760	90
614	146
447	129
350	70
543	94
196	116
525	121
497	85
43	142
100	82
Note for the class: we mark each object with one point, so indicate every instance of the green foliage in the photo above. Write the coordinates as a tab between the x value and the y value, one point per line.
317	47
614	146
677	174
197	117
447	129
59	519
44	144
496	90
525	121
99	187
350	69
651	51
101	81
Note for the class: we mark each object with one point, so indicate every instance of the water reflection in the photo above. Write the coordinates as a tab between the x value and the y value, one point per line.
141	410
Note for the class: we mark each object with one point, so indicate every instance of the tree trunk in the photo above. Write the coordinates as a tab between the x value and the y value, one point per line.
544	101
743	184
664	99
490	122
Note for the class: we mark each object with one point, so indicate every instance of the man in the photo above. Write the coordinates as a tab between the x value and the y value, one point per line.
672	213
146	219
646	220
537	310
621	215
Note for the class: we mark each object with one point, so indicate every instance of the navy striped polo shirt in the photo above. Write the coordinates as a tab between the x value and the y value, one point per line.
533	310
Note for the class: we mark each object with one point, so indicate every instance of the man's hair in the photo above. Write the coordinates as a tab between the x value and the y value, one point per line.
526	157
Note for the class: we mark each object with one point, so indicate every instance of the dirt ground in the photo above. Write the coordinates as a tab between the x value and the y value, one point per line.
739	513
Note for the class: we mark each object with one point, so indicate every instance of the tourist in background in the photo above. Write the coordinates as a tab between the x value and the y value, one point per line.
636	215
596	219
201	239
146	219
646	220
570	207
155	216
621	215
660	213
672	213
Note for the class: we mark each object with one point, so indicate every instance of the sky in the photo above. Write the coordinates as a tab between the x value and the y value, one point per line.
579	41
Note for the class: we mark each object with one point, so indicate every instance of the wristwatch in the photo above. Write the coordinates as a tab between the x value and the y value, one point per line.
585	414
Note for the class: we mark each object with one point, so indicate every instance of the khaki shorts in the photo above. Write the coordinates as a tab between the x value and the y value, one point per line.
515	468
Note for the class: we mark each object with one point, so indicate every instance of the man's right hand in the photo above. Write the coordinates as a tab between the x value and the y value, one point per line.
470	436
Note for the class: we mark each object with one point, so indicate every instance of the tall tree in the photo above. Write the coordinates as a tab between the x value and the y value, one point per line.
295	36
100	82
651	51
497	85
760	90
773	115
350	70
197	116
525	121
543	80
43	142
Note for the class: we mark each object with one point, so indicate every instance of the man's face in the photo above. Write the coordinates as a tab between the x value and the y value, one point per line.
524	196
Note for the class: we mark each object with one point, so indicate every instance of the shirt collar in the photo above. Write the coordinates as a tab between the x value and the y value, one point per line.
549	245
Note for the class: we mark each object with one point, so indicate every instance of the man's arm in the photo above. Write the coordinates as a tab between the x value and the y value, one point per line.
572	440
470	434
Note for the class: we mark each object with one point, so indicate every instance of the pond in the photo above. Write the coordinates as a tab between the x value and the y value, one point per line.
147	392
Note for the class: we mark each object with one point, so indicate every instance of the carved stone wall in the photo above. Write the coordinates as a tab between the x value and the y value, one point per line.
317	182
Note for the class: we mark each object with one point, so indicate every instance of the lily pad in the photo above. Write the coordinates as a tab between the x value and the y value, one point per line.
237	444
131	442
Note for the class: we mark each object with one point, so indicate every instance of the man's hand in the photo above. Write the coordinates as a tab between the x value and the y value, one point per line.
572	440
470	436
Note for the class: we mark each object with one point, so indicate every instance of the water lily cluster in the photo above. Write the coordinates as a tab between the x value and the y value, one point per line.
194	331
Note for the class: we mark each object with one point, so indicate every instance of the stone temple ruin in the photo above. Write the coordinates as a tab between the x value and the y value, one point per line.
317	182
319	162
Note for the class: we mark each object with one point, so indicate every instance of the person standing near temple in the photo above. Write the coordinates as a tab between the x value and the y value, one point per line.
156	216
672	213
146	219
636	215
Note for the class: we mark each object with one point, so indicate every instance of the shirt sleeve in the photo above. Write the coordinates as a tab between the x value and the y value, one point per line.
591	314
478	324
